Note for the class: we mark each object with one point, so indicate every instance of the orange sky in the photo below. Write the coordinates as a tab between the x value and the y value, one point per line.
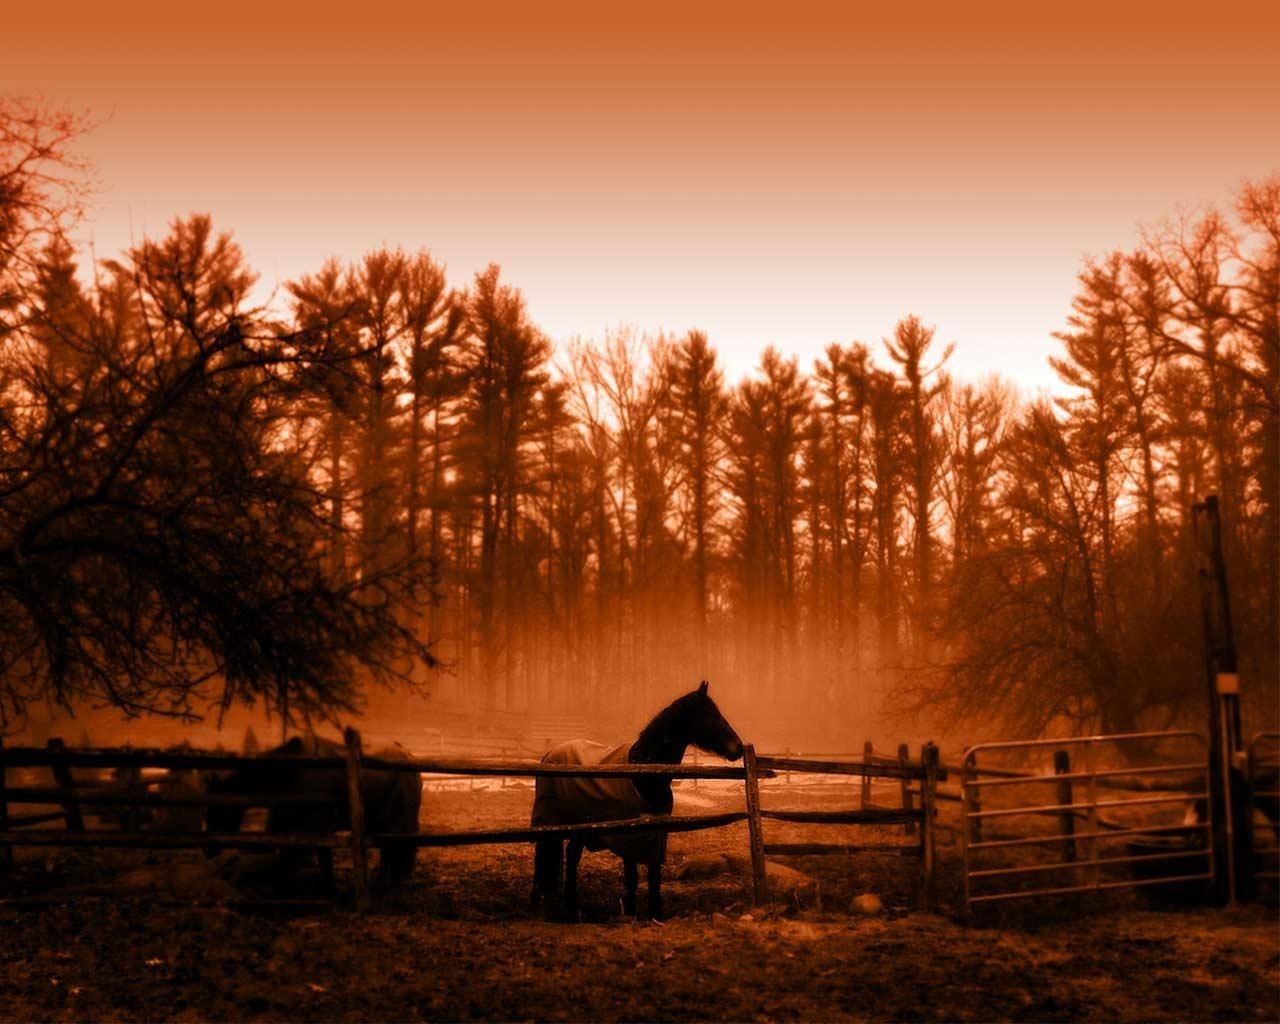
791	174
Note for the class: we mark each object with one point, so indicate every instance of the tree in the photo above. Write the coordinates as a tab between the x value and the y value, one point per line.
324	308
377	283
42	185
505	369
768	417
885	407
973	421
160	543
1031	640
908	348
433	329
1258	316
698	403
840	495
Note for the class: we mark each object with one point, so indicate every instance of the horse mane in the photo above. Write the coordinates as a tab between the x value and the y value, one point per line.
660	734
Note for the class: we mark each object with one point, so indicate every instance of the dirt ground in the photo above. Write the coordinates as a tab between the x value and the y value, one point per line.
97	935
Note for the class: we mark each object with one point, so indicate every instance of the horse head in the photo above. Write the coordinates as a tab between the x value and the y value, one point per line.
707	728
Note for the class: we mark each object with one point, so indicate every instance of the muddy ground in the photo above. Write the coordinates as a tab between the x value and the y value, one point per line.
99	935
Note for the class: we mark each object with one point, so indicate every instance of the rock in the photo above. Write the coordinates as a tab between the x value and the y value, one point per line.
143	878
783	882
240	867
188	880
197	881
284	945
868	903
788	883
802	932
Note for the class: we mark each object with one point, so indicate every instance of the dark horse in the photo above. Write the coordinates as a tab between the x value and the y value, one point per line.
693	720
391	802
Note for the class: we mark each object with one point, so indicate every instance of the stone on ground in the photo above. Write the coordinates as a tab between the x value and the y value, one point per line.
868	903
703	866
180	879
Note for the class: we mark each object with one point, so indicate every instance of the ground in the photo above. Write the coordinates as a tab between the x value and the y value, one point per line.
461	943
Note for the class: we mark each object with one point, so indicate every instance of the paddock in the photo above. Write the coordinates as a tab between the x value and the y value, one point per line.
459	942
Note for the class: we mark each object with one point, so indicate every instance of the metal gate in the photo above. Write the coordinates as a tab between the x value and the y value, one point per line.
1051	817
1264	793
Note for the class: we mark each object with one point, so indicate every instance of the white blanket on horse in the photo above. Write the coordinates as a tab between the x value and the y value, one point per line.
571	800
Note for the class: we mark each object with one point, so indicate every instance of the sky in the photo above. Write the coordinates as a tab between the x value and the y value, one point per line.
788	174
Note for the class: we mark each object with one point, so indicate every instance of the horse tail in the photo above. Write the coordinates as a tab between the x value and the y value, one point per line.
400	857
393	800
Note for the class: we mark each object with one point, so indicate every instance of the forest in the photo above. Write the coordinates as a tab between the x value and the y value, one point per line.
383	486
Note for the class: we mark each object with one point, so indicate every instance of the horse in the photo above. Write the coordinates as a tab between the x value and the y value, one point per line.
692	720
391	801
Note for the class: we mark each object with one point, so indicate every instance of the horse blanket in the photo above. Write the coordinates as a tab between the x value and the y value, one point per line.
561	800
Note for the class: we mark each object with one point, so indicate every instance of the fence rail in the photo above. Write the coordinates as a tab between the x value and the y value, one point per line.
647	823
32	757
168	841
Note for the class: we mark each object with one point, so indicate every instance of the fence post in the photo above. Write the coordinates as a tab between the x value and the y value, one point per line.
928	825
759	888
356	807
62	776
868	755
6	851
904	760
1062	766
968	804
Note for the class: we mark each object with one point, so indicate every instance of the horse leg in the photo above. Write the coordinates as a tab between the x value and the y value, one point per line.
399	859
548	856
396	859
655	890
571	859
535	890
630	883
539	873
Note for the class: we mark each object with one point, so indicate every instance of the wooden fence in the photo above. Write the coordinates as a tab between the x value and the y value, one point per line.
137	792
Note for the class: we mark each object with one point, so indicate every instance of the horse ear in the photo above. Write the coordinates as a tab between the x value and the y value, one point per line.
703	688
